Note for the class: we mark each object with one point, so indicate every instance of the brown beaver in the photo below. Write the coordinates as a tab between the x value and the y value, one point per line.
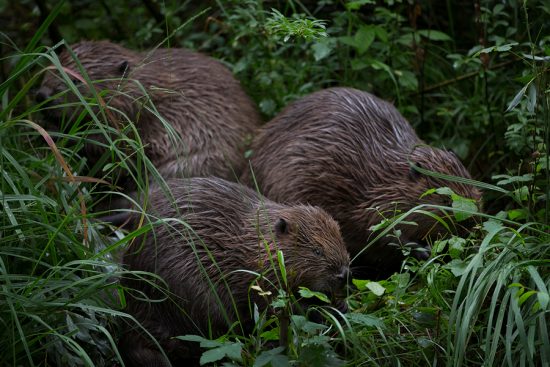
191	114
350	153
222	231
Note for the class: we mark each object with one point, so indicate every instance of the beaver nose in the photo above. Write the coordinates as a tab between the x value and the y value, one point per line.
344	274
42	94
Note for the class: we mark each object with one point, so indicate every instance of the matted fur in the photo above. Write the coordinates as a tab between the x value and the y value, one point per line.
197	96
227	229
349	152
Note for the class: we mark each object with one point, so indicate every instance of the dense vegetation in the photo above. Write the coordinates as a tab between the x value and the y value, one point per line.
471	76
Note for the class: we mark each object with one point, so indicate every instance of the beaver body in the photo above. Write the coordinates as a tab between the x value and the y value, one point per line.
192	116
229	232
350	153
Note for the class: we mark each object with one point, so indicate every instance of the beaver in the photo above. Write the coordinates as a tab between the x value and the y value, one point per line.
191	114
225	231
350	153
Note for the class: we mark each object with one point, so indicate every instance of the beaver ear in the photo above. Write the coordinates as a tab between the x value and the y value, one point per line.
281	227
124	67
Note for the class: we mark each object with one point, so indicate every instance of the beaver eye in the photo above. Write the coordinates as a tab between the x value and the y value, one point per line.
317	251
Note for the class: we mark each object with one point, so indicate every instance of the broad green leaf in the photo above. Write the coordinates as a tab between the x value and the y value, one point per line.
517	214
434	35
376	288
275	357
364	38
307	293
457	267
229	350
321	50
463	205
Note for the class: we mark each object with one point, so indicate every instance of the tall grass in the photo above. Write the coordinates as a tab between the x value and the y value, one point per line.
478	301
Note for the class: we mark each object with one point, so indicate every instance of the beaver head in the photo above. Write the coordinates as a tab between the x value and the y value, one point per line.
404	188
104	63
313	248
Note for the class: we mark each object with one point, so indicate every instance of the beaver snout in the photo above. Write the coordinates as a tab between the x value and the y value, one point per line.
344	276
42	94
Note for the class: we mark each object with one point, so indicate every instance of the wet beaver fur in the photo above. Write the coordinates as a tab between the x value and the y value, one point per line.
232	225
350	153
209	112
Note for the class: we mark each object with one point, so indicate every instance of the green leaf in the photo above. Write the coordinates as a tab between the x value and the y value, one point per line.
204	343
271	334
348	40
524	297
456	246
457	267
531	98
275	357
307	293
543	299
517	214
229	350
507	179
517	98
501	48
434	35
282	267
376	288
364	38
492	226
462	206
321	50
354	5
268	106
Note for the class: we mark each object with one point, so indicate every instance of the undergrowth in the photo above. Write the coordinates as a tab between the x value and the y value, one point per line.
481	90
